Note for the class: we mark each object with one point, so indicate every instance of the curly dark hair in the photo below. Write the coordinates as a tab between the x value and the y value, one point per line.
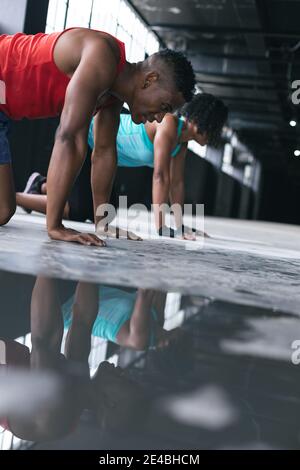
182	70
209	114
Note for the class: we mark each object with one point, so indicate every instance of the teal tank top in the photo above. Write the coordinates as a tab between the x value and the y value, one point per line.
115	308
134	148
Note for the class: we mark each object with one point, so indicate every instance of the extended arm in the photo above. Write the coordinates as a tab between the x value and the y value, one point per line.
46	322
177	184
104	159
136	332
104	165
89	81
164	141
177	194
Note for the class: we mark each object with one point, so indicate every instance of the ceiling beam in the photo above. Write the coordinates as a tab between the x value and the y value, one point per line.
244	58
251	100
244	86
244	76
221	31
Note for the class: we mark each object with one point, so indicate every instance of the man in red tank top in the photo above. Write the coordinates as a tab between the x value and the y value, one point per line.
77	74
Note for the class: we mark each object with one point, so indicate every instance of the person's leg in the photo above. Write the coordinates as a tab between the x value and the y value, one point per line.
44	188
7	192
36	202
33	202
7	188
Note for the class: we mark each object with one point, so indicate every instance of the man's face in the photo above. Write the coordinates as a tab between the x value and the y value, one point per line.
152	101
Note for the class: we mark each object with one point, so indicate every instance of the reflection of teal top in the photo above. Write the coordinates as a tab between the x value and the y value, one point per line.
115	308
134	147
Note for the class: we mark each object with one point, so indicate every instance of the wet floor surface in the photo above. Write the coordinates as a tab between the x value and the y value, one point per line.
250	263
210	396
229	379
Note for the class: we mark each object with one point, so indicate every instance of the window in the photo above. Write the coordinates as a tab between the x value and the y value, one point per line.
114	16
56	15
79	13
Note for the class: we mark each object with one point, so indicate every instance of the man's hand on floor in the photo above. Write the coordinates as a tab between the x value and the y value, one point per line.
70	235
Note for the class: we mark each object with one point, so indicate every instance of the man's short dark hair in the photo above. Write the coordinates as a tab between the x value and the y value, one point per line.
181	67
208	113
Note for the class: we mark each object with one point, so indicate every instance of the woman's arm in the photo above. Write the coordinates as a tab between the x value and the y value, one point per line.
177	184
135	333
164	142
177	195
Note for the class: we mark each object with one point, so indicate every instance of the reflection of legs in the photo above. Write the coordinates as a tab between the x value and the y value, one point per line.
46	323
7	194
85	311
44	188
36	202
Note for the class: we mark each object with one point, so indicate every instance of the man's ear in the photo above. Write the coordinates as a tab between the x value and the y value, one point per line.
150	78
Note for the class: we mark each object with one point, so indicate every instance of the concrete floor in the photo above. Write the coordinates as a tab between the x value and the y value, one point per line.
250	263
237	387
222	394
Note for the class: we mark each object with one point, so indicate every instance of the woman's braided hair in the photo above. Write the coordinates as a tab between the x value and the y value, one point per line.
209	114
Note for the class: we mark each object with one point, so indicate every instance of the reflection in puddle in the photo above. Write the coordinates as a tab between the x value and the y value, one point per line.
125	366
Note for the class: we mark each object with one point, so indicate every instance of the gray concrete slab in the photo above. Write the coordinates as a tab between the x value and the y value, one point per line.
250	263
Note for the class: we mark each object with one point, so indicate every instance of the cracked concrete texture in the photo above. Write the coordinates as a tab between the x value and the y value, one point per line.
250	263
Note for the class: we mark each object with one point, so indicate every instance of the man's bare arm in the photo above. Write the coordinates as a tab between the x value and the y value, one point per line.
104	156
104	165
94	75
46	322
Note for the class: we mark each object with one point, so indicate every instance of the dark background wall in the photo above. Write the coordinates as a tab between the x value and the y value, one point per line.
31	144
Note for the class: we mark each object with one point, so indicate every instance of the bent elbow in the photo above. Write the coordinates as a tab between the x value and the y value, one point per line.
161	177
64	135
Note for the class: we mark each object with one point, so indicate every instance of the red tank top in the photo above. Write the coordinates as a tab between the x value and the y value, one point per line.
31	84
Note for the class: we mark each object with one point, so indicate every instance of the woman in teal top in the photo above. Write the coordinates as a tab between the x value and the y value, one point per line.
134	146
162	146
129	318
